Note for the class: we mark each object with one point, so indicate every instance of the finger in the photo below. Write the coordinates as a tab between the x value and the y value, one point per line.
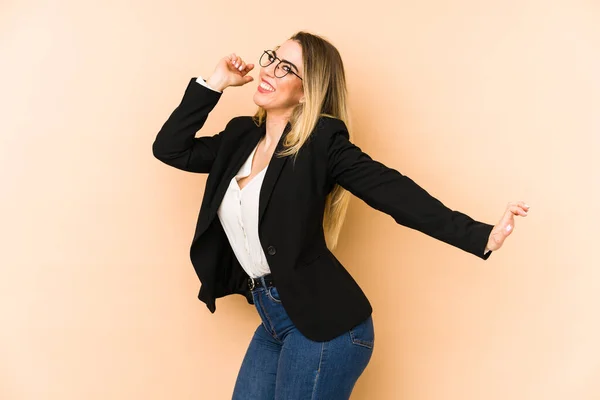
247	68
520	204
242	66
232	59
247	79
523	205
516	210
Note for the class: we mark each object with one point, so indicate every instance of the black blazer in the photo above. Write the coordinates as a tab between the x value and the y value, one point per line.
319	295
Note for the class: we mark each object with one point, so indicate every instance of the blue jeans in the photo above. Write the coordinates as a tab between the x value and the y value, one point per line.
282	364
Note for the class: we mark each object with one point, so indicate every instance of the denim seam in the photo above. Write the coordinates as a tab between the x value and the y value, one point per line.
271	326
359	342
268	290
318	371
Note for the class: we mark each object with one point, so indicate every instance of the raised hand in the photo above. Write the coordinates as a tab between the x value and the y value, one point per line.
230	71
506	225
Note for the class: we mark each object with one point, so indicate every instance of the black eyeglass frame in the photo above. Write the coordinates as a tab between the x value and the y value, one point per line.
271	53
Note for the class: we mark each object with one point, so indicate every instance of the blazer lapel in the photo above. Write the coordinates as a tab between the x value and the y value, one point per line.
247	143
271	175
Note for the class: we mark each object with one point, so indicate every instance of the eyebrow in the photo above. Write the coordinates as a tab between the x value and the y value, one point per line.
286	61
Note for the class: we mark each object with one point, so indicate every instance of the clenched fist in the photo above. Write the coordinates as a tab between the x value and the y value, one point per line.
230	71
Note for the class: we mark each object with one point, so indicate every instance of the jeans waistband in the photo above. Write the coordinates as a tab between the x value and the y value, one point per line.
264	281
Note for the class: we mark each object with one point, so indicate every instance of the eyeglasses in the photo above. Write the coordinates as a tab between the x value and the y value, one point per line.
282	68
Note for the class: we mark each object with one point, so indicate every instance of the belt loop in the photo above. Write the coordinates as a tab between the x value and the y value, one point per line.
262	280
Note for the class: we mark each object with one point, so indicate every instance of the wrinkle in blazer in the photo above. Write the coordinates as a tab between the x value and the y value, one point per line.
319	295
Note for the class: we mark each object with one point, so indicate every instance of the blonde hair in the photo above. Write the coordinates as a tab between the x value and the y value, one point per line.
325	93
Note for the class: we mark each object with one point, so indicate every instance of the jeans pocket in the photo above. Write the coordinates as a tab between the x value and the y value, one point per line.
273	294
363	334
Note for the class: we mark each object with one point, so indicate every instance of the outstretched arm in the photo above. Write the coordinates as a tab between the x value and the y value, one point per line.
387	190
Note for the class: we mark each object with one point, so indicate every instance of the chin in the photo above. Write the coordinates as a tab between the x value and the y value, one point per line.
257	99
260	101
265	106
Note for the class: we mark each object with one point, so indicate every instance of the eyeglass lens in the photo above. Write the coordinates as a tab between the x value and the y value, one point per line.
281	68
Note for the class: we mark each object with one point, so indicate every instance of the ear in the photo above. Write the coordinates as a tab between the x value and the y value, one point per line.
302	100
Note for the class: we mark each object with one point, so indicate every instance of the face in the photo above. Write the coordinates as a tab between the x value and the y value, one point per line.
281	94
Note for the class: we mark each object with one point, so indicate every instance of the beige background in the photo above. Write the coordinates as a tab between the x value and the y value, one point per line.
479	102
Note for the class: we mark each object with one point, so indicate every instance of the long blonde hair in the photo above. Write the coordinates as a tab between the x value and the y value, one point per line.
325	93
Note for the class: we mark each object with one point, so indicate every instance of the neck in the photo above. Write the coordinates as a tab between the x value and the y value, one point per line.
275	125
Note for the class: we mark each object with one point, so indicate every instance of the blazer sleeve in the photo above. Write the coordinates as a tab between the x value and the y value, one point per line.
387	190
176	144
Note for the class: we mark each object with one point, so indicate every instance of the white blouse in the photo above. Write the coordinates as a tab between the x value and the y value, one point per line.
238	214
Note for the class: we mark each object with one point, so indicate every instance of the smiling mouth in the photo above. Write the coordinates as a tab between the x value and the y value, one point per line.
265	86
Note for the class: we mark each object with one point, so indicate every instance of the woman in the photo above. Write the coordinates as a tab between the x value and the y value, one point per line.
273	206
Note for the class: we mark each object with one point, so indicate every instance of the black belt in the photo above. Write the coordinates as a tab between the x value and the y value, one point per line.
256	282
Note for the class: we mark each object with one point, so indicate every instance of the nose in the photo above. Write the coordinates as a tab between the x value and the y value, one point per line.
270	70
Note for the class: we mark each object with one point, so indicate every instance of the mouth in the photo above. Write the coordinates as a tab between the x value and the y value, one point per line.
266	86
